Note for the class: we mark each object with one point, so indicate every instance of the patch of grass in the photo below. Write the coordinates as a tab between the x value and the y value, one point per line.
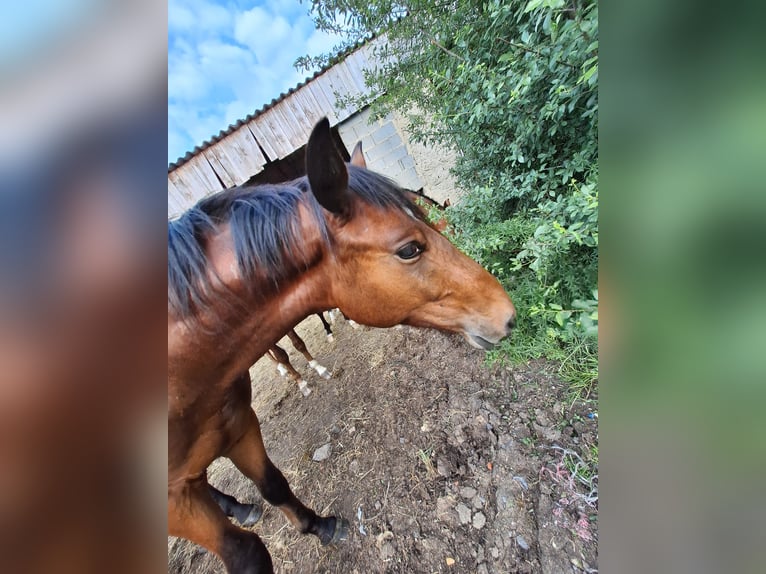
578	358
425	456
580	369
594	455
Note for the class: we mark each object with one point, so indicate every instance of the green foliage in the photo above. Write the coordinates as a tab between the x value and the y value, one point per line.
512	85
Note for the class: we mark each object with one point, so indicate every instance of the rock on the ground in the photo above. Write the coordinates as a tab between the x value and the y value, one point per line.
467	492
479	520
463	513
444	512
322	453
522	543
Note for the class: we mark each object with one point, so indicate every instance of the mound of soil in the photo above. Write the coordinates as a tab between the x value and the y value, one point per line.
439	463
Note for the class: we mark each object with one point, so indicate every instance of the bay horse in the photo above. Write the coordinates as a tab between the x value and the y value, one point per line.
285	368
277	354
244	266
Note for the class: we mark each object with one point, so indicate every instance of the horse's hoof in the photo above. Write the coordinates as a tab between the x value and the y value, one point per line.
330	338
303	387
340	533
321	371
248	514
354	324
255	515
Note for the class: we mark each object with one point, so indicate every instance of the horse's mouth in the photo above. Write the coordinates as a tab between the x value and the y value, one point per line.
479	342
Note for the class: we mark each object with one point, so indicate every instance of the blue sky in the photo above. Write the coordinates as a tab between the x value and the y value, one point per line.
227	58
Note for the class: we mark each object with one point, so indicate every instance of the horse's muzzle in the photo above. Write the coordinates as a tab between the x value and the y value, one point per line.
486	341
479	342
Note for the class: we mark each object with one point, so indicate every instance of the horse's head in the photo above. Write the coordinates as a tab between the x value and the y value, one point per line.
388	266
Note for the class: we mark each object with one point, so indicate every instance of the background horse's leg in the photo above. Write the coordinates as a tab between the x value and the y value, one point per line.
326	325
300	346
334	317
194	515
249	455
246	514
282	359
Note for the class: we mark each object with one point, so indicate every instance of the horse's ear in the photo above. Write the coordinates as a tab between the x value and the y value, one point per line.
326	170
357	156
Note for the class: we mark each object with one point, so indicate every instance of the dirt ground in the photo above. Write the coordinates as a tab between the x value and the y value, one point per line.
440	463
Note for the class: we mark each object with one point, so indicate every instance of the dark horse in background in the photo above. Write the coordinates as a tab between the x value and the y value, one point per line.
244	267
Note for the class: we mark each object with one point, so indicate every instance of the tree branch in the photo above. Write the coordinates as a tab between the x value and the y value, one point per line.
532	51
450	52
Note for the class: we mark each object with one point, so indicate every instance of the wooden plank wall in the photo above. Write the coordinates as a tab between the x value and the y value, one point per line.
277	132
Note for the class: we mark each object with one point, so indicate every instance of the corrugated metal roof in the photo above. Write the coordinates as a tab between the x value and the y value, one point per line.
232	127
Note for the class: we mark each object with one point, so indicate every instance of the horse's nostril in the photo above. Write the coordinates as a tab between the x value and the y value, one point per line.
511	322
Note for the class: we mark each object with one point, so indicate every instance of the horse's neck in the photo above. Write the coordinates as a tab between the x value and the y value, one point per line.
242	332
272	318
239	334
236	336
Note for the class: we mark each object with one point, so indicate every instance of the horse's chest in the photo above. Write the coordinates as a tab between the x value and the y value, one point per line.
201	430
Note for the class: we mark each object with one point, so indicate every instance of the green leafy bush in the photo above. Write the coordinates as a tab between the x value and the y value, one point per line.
512	85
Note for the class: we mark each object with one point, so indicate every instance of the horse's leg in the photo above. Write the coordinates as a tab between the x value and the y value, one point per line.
300	346
194	515
334	318
326	325
281	369
246	514
280	356
351	322
249	455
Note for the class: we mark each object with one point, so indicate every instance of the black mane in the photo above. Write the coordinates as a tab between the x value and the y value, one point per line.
262	220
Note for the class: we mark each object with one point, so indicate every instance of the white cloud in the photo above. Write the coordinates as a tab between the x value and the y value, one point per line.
185	83
225	63
262	32
197	16
180	17
321	42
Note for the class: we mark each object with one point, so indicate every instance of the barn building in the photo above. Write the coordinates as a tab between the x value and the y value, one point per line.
268	146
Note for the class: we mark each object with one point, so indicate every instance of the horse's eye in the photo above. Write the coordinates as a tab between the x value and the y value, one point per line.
410	251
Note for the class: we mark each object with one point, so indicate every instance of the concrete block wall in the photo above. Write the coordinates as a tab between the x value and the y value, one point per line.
384	148
433	165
